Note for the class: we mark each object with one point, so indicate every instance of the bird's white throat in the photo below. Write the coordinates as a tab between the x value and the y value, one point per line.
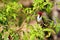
39	18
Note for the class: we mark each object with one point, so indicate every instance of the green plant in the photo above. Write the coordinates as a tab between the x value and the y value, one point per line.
42	5
8	16
6	1
36	32
57	28
9	12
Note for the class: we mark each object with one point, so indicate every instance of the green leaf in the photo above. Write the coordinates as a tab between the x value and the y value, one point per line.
6	34
57	28
32	37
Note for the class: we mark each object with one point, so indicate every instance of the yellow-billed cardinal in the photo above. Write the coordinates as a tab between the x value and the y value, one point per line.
39	17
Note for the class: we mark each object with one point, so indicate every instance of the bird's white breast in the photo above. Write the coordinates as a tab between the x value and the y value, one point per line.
39	18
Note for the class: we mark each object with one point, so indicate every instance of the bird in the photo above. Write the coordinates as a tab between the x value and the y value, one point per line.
39	16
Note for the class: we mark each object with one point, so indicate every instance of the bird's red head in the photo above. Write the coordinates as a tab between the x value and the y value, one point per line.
40	13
